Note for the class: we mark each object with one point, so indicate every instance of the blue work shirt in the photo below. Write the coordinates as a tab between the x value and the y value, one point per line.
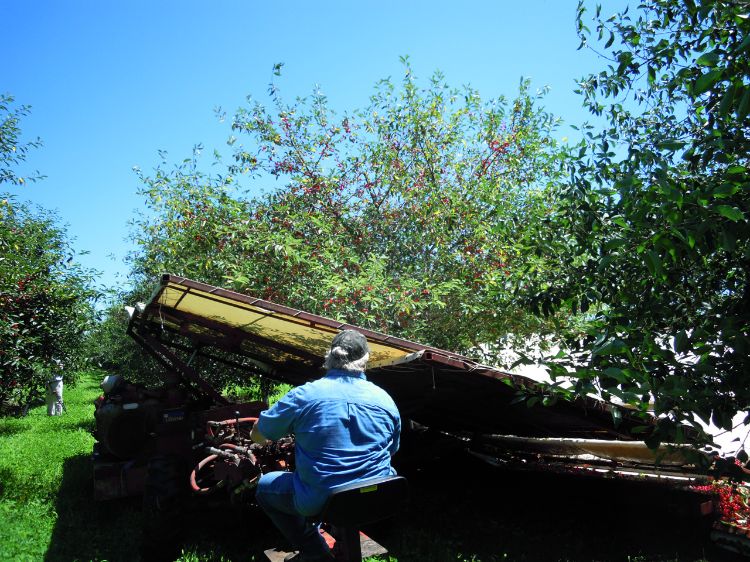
346	429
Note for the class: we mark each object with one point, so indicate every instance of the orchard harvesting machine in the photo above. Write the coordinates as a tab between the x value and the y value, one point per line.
185	438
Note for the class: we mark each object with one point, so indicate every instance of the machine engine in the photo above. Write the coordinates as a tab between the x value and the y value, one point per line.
140	431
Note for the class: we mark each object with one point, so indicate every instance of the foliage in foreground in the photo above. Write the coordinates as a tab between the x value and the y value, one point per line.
652	236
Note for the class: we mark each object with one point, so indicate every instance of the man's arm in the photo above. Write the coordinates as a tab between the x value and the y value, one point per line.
278	420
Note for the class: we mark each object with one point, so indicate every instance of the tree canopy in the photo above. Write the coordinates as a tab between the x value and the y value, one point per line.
406	216
651	234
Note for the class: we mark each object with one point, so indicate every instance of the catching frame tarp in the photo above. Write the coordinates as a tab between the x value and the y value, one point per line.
434	387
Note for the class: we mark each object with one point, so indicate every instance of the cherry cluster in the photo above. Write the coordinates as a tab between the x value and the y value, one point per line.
732	505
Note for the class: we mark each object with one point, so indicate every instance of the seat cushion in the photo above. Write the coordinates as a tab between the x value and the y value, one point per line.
366	502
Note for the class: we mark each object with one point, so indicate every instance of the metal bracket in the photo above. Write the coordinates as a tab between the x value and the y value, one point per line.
165	356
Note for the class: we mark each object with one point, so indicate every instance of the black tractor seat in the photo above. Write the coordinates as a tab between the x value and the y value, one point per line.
350	507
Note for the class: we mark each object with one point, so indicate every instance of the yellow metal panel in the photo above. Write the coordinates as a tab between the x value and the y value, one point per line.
274	326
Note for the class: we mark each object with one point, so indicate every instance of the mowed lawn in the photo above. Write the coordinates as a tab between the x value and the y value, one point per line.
460	510
46	503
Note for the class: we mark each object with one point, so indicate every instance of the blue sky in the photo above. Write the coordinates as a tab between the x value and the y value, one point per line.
112	83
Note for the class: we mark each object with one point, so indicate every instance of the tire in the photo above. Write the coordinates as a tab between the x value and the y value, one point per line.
163	509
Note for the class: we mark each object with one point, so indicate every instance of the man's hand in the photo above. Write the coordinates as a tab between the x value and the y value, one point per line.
257	436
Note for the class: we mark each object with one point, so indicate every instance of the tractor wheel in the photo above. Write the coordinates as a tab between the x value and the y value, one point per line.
163	508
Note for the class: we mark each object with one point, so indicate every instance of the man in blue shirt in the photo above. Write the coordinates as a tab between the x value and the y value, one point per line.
346	430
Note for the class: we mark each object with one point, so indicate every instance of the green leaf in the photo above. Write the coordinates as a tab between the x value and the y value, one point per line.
614	347
744	105
725	107
605	262
708	59
653	441
616	417
584	304
653	263
681	342
744	45
706	81
736	170
724	190
617	374
721	419
732	213
727	240
671	145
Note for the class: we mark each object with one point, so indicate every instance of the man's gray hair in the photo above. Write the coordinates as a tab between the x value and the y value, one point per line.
335	359
349	352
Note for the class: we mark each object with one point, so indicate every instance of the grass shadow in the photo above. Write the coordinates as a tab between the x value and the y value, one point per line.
463	509
223	533
8	429
112	530
6	475
89	530
88	425
460	509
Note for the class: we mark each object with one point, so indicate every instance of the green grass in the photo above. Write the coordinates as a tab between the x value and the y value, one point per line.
34	451
460	509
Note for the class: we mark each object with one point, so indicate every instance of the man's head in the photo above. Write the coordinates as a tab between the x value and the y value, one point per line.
349	352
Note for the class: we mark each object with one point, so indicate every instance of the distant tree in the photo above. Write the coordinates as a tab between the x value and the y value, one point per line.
45	297
45	302
107	346
404	217
652	236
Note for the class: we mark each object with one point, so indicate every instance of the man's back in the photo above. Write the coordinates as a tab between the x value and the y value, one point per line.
346	430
